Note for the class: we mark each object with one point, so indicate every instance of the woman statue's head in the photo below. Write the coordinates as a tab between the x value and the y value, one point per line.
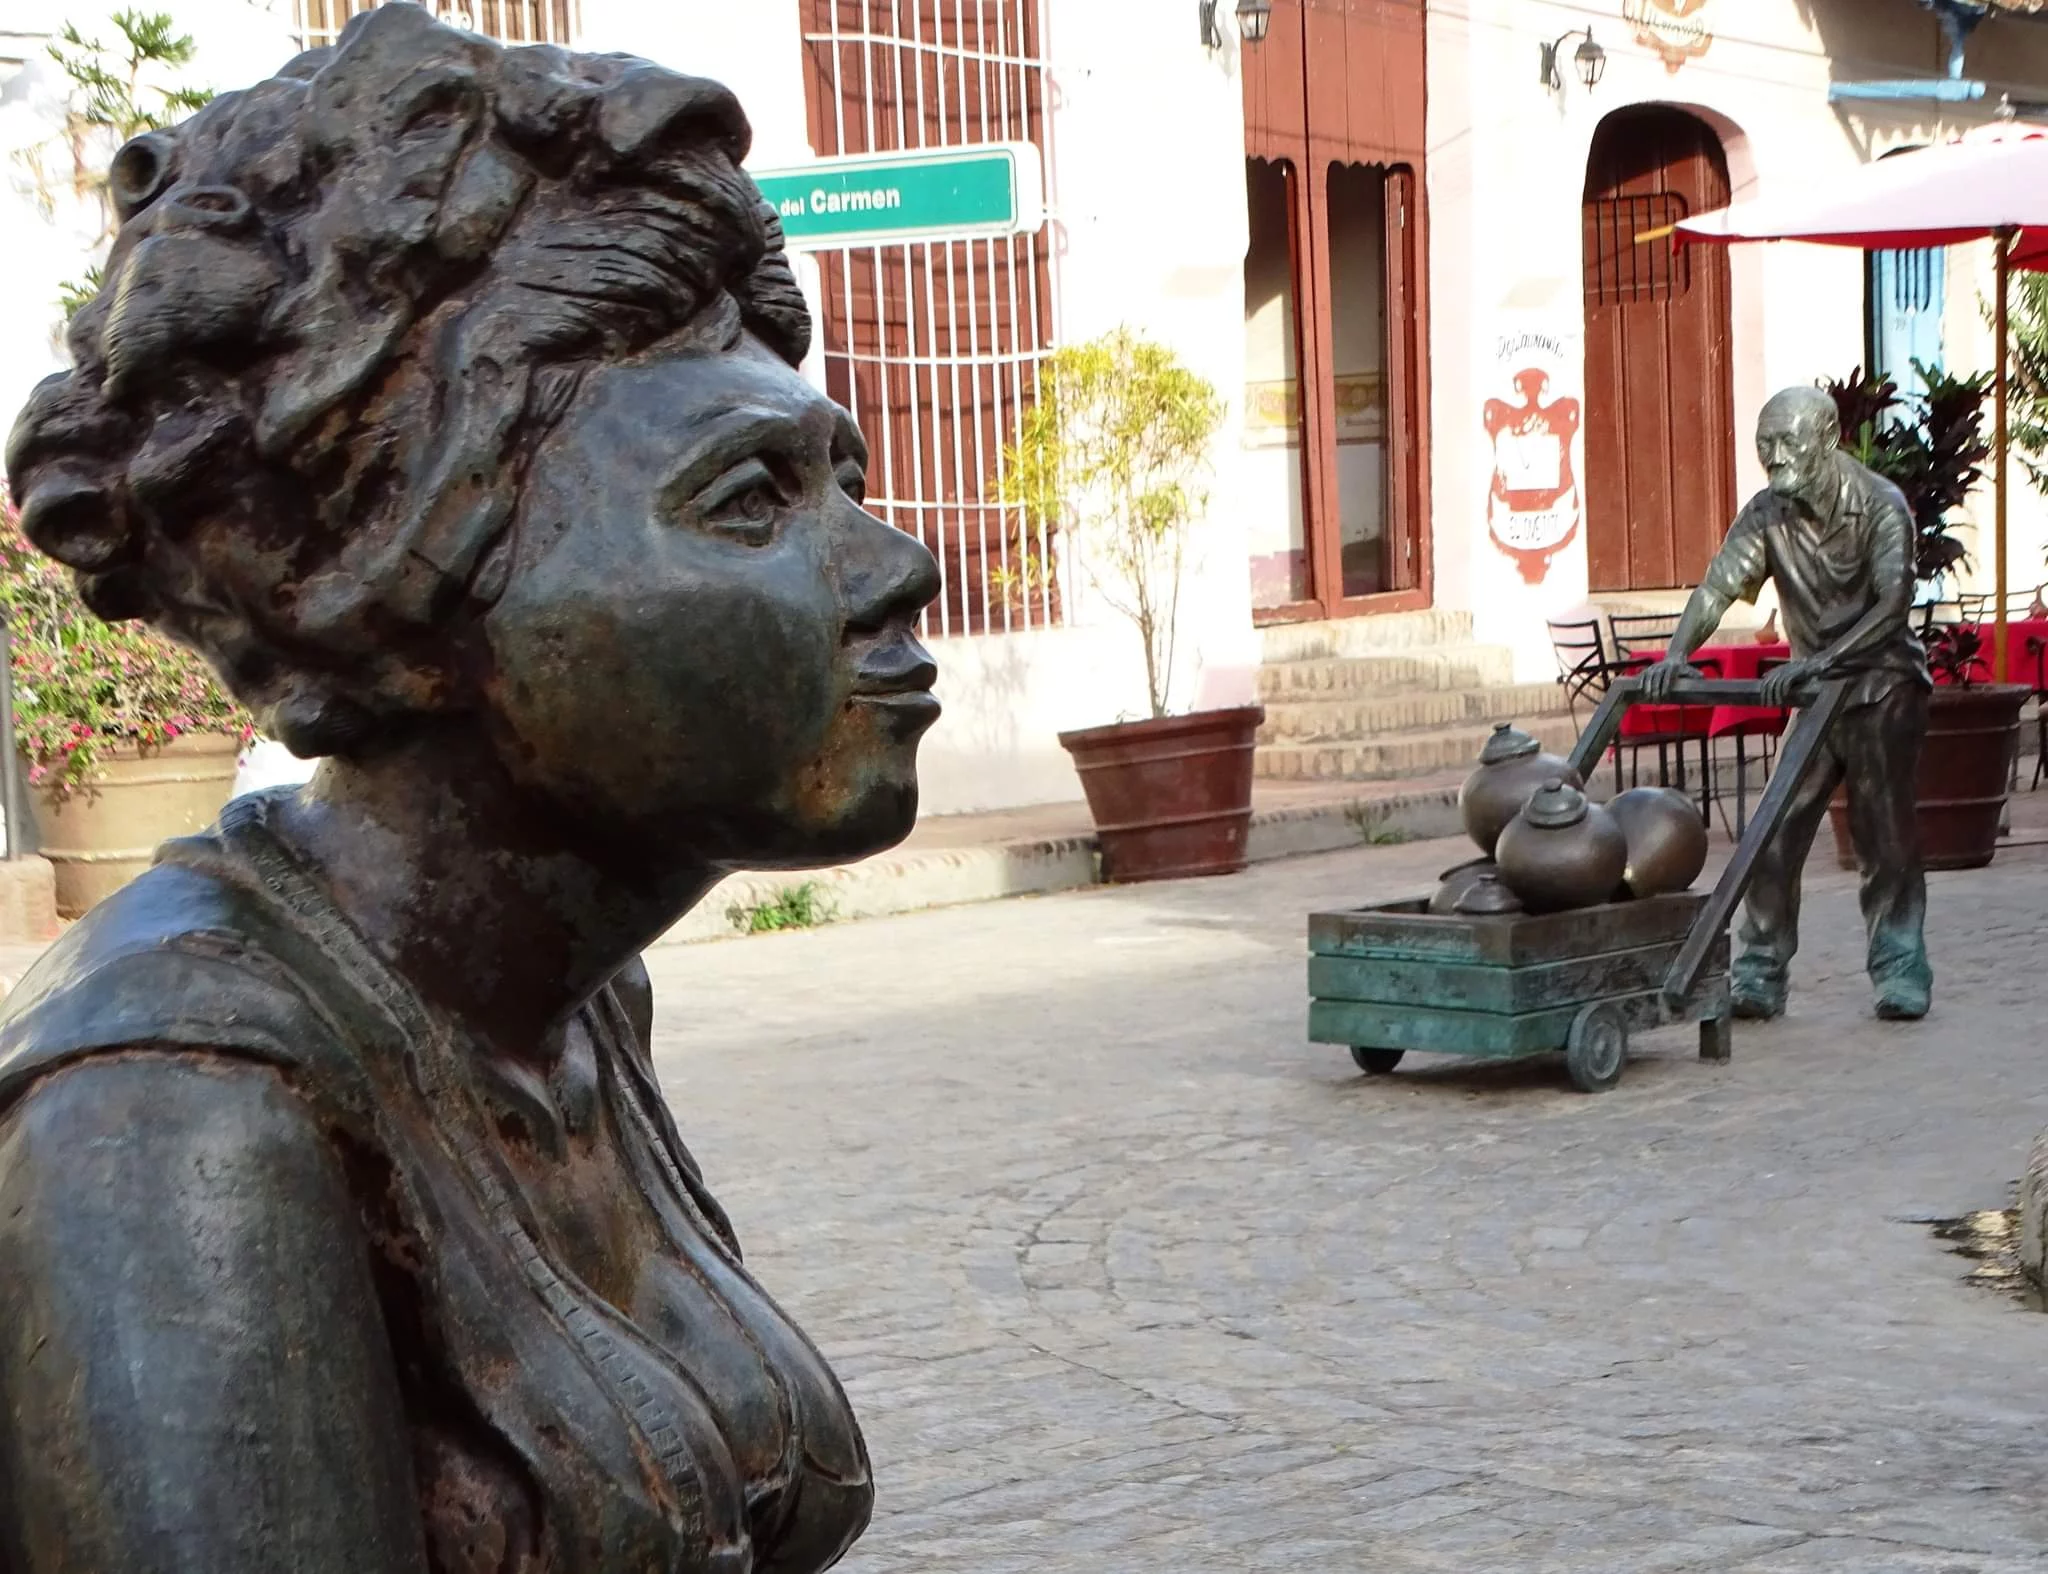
441	386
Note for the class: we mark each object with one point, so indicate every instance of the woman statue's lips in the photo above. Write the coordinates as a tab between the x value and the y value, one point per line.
896	679
901	669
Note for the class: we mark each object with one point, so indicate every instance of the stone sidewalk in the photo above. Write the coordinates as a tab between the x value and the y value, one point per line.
950	860
1125	1276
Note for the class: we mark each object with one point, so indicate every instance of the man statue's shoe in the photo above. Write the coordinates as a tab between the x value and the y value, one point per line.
1902	1001
1757	1005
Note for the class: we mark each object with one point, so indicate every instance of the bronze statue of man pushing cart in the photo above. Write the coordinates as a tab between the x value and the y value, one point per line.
1836	539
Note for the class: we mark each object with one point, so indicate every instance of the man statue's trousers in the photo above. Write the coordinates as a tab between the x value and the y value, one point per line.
1875	747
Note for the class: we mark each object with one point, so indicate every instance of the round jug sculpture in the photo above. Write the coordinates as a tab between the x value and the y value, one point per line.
1511	767
1487	897
1456	882
1667	840
1562	851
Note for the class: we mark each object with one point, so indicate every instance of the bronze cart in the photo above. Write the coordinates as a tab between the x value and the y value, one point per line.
1384	980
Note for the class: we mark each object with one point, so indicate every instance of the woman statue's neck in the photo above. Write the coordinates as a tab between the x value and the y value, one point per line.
492	912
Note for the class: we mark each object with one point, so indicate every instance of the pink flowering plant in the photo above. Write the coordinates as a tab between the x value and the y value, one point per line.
83	687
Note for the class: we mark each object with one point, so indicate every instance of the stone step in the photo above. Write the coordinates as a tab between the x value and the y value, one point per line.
1386	633
1443	667
1370	718
1398	755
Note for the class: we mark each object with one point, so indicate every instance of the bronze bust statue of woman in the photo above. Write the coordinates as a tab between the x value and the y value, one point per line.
444	396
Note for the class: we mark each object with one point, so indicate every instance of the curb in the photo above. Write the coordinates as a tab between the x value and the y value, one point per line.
914	882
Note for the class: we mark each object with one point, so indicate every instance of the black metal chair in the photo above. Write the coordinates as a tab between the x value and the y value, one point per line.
1982	606
2037	659
1636	633
1640	638
1587	668
1582	665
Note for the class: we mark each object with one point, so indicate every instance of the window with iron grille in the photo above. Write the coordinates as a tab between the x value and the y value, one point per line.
509	21
936	347
1631	254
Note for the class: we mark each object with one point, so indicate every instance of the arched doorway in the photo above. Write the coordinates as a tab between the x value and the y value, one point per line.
1660	417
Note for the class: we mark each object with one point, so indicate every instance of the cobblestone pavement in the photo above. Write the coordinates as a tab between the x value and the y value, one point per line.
1126	1276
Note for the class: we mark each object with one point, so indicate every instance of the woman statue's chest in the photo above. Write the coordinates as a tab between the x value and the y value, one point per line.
689	1332
565	1149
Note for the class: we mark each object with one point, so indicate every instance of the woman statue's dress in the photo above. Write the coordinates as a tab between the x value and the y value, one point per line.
681	1423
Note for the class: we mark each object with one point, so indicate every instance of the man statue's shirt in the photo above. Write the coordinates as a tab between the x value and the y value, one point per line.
1830	572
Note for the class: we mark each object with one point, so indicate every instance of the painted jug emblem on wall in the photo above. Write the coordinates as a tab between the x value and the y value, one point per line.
1675	30
1532	505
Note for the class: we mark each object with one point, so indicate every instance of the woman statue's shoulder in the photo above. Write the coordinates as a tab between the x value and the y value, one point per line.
177	960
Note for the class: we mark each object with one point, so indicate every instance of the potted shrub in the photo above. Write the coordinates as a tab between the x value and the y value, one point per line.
127	738
1111	454
1932	448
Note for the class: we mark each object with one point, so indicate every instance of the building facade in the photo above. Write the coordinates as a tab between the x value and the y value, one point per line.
1465	368
1596	388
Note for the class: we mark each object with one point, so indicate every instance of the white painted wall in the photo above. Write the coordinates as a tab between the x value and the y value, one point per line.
1507	171
1132	89
238	41
1149	232
1133	94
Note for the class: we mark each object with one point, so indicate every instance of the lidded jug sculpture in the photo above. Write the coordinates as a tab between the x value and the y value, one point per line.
1511	767
1562	851
1454	883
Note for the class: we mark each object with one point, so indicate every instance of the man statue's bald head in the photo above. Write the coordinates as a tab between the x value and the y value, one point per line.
1796	438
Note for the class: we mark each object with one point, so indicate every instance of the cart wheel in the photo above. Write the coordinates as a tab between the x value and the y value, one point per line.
1376	1062
1597	1049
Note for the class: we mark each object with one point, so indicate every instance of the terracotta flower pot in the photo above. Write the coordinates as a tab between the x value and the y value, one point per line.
1171	798
103	836
1965	774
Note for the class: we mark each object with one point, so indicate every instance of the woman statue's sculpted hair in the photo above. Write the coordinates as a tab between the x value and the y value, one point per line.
445	396
342	308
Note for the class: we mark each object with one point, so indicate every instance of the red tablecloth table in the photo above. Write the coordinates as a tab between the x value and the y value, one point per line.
1737	663
2025	639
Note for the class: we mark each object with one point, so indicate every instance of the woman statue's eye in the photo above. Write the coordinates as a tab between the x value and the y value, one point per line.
853	481
746	501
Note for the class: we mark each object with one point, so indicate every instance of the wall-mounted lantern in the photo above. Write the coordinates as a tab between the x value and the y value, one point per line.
1253	18
1589	59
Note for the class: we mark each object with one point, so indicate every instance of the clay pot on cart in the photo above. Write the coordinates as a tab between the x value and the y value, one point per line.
1171	797
1973	737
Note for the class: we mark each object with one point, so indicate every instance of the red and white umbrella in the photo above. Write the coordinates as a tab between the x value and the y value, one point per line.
1991	184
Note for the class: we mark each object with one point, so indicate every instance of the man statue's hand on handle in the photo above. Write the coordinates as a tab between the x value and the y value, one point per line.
1781	684
1656	680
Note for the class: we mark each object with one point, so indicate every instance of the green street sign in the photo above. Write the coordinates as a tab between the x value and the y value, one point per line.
880	199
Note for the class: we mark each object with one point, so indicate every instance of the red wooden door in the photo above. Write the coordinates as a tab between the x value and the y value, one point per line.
1660	420
1335	94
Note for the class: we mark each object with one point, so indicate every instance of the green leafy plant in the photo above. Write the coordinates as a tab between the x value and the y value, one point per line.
1372	822
83	687
1931	447
803	906
1955	654
2028	393
1110	453
118	91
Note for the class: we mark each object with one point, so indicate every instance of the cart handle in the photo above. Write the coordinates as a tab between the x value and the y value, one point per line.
1605	726
1817	703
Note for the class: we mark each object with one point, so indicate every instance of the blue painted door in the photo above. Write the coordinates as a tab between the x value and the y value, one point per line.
1904	292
